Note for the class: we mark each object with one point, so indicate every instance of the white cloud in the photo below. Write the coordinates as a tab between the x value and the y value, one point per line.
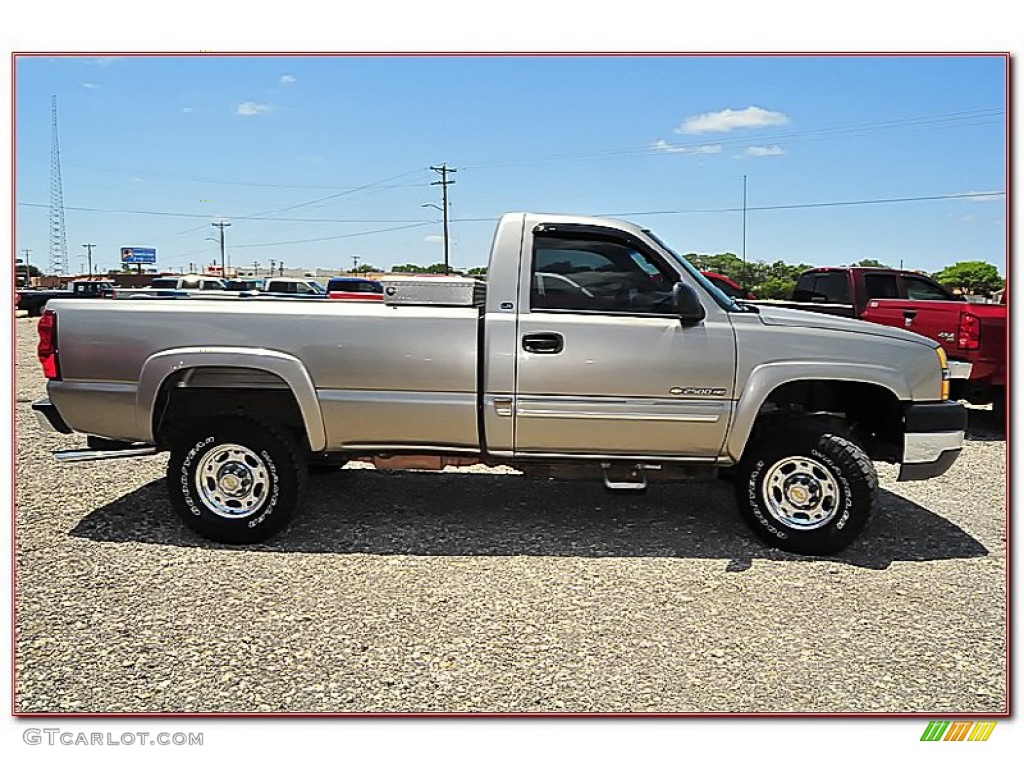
985	197
102	61
771	151
288	79
729	119
90	86
250	108
433	239
188	110
704	149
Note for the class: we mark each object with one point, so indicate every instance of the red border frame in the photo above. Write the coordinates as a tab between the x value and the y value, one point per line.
526	54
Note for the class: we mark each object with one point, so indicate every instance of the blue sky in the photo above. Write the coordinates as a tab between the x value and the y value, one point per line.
189	140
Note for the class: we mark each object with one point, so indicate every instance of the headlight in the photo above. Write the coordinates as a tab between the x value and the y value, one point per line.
944	365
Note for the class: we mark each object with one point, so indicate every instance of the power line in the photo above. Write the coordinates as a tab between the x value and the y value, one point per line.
831	204
334	237
235	218
264	214
227	182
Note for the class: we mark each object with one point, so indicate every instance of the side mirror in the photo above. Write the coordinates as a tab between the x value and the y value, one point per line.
687	304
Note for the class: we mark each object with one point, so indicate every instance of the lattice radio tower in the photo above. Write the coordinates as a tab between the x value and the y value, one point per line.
58	237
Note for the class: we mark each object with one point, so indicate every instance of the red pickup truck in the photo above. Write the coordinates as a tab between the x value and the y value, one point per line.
968	332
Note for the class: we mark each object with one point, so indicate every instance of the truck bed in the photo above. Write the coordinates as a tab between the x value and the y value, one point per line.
380	371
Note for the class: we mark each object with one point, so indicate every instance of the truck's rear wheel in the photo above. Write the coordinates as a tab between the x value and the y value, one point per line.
806	490
236	479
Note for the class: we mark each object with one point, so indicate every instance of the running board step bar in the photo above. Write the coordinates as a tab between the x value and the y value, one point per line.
620	477
87	454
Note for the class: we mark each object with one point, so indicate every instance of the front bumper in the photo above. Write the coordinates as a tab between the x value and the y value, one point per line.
933	438
48	417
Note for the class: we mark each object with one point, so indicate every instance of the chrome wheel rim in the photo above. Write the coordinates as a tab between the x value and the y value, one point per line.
801	493
232	481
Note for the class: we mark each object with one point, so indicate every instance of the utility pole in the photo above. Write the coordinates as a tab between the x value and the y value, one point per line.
355	263
444	170
745	281
89	247
272	263
220	225
280	268
255	269
28	268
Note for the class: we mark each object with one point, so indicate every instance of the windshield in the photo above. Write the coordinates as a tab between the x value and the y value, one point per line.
721	298
164	282
319	288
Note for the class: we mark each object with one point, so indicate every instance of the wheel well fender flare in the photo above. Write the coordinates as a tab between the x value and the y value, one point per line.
288	368
765	379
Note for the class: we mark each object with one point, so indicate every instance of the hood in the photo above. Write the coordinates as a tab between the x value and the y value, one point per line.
799	318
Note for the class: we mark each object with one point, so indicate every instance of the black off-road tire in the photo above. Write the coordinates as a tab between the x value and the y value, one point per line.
261	456
815	464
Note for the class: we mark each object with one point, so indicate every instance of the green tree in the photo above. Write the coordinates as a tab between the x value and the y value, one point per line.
364	268
971	277
438	269
870	263
477	271
773	288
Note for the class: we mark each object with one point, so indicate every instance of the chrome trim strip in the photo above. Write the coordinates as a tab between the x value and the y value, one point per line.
926	447
663	460
622	408
89	455
616	416
408	448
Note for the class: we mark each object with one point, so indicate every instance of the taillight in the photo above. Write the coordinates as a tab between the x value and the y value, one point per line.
47	348
969	335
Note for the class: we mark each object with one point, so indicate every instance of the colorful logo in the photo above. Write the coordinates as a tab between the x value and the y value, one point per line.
958	730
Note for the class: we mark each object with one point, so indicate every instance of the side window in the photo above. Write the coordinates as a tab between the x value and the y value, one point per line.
597	275
804	290
923	290
832	287
190	285
881	287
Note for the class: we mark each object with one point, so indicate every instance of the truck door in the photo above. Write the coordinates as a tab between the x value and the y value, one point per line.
604	367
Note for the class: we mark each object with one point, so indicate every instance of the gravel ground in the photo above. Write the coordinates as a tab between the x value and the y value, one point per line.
458	592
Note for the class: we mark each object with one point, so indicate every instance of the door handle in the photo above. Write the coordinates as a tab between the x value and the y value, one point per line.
910	314
544	343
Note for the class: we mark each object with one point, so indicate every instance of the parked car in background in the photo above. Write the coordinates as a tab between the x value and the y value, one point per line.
33	301
174	285
237	284
293	286
729	287
355	289
973	335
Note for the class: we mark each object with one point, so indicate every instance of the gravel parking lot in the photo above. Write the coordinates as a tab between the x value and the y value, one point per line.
470	591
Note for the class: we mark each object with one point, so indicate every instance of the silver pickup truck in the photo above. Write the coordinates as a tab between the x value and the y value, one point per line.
592	349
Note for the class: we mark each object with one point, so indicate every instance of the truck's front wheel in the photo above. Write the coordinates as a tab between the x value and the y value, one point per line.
236	479
806	490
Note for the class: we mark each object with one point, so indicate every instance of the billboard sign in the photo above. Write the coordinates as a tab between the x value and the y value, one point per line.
132	255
